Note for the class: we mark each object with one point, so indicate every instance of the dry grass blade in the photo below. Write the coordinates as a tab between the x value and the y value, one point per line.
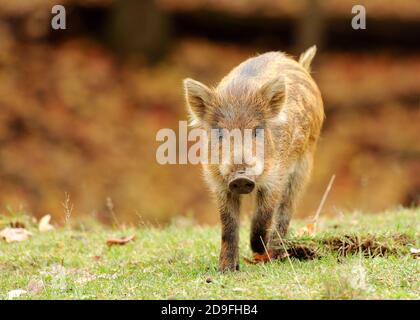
310	228
369	245
250	261
68	207
290	261
120	241
324	197
266	251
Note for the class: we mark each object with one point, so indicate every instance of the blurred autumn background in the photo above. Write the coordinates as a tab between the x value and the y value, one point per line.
80	108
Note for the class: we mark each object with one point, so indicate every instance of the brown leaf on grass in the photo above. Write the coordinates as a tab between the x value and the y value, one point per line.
262	257
249	261
44	224
258	257
309	230
120	241
15	234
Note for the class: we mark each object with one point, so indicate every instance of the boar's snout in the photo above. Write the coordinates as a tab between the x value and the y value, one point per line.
241	184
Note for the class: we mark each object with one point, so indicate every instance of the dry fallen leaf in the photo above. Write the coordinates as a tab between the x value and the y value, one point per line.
257	258
249	261
266	257
15	234
120	241
44	224
309	229
261	257
15	293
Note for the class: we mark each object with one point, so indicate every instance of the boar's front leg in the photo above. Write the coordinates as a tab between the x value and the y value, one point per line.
293	189
229	216
262	220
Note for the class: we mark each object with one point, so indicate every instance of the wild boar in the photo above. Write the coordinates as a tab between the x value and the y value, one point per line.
276	93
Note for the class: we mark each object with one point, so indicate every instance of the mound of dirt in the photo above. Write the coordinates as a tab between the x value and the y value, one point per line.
369	246
351	244
298	251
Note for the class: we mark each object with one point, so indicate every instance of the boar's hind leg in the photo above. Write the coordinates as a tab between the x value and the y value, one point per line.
262	220
229	216
294	187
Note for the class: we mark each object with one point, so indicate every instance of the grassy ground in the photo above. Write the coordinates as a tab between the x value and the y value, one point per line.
180	262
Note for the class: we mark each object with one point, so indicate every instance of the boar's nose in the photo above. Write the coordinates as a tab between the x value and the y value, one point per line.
241	185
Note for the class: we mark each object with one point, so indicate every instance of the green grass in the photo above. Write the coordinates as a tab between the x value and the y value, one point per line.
178	261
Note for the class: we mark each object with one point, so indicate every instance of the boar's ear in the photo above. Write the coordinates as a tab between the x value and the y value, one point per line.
198	96
274	92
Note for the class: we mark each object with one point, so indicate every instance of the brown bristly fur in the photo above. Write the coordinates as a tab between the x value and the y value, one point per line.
277	93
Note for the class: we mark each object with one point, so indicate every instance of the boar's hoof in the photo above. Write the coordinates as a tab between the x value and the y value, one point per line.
228	267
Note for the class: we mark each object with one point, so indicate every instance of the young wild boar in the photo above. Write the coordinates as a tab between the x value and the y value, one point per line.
275	93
